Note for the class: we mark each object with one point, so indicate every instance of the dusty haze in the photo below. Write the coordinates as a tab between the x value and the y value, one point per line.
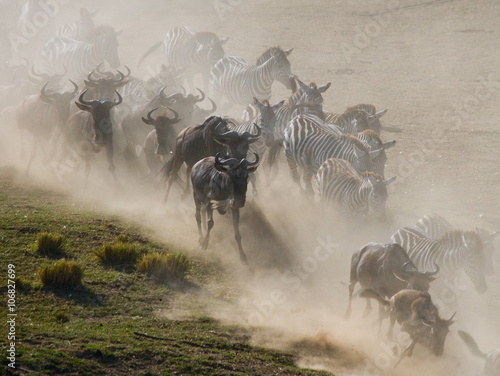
434	64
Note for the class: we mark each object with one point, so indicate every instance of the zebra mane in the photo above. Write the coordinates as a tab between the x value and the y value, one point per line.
353	140
369	133
267	54
98	31
369	108
368	174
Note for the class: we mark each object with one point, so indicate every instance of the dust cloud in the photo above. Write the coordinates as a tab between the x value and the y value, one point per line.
434	64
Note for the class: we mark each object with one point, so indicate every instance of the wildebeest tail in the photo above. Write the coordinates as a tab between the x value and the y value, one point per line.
471	344
274	150
368	293
149	52
167	169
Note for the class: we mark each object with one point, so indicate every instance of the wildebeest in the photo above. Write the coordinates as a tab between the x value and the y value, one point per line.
385	269
161	140
221	184
94	132
44	116
207	139
492	359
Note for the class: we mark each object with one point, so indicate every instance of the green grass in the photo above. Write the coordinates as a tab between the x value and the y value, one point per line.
90	329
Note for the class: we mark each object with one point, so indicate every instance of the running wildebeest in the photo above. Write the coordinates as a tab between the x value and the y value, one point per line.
221	184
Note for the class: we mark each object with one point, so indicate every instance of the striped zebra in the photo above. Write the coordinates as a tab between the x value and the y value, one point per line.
78	30
239	82
452	251
195	52
308	145
373	142
434	225
354	193
81	57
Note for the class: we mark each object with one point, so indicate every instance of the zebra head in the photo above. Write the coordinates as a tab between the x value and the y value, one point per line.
378	193
267	118
107	44
281	68
471	245
215	50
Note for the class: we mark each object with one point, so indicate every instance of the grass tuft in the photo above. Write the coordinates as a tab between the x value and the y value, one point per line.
164	267
61	274
49	244
118	254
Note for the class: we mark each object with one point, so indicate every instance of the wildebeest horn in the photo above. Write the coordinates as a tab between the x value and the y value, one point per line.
75	90
162	93
451	318
149	120
83	101
398	277
219	165
406	271
120	75
120	99
90	82
128	71
175	113
44	95
183	90
255	163
214	106
202	96
430	274
257	135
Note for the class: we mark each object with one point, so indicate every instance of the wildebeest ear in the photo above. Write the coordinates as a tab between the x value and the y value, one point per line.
83	107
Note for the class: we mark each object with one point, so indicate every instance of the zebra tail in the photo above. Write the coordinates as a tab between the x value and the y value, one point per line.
149	52
471	344
274	150
368	293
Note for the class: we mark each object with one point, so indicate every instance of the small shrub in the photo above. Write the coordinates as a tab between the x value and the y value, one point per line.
118	254
49	244
61	317
164	267
62	274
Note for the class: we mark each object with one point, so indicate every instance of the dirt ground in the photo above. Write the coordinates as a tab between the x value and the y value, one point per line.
434	64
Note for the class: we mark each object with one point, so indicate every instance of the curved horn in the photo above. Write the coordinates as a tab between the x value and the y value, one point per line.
175	113
162	93
398	277
75	88
214	108
255	163
202	96
149	120
451	317
409	272
45	96
83	101
128	71
430	274
259	132
183	91
120	99
120	75
90	79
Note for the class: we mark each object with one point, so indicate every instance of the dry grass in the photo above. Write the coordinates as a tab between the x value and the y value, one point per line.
49	244
164	267
61	274
120	253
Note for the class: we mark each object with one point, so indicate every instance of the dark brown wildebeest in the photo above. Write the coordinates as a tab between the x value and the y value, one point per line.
221	184
207	139
94	133
161	140
44	115
492	359
385	269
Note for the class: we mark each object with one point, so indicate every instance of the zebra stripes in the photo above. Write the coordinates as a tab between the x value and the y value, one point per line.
239	82
308	145
453	251
354	193
81	57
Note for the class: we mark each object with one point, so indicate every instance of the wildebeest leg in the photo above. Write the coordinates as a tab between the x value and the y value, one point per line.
351	289
109	156
368	308
392	320
210	224
197	215
382	314
406	352
237	235
253	180
187	190
87	170
177	163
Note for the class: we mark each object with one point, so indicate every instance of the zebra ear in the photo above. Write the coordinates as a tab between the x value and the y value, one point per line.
324	88
278	105
374	153
388	144
288	52
390	180
360	153
381	113
257	103
224	40
373	179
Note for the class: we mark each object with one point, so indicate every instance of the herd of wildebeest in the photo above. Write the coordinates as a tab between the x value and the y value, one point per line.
154	126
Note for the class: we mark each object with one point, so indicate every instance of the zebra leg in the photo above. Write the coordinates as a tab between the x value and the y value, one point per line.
210	224
237	235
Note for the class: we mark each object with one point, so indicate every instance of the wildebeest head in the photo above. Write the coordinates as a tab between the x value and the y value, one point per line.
378	193
165	132
416	280
184	105
101	116
238	172
423	308
433	336
104	87
281	68
238	144
61	101
38	78
267	118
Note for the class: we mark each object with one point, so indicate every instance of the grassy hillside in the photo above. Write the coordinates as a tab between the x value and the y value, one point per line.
107	325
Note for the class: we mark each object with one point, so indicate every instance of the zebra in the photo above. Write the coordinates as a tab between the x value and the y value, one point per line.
81	57
372	141
239	82
308	145
434	225
340	183
196	52
453	251
78	30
